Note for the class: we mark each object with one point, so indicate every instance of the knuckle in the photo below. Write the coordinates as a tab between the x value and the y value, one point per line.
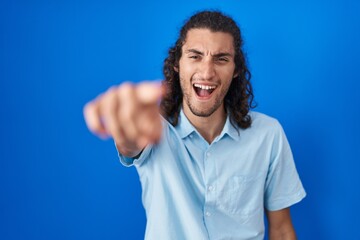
108	97
126	87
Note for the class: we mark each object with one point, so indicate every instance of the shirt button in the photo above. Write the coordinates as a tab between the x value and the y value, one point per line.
210	188
208	214
208	154
191	136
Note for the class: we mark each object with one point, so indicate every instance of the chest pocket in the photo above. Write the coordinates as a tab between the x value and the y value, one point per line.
242	194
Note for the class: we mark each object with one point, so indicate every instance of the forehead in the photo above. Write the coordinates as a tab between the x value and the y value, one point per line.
207	41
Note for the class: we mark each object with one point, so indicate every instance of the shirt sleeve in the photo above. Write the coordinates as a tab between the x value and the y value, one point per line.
145	154
128	161
283	186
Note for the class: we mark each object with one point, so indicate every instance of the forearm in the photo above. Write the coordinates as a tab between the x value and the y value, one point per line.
283	234
280	225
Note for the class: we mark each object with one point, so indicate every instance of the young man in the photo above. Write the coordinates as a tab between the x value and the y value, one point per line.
209	167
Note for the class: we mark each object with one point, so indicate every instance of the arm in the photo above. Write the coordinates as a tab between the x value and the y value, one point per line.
280	225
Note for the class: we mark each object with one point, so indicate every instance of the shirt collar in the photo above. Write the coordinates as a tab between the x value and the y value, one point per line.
230	130
185	128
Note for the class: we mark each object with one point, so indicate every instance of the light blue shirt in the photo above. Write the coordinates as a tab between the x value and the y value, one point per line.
195	190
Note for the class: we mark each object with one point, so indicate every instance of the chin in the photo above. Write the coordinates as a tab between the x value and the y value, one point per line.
202	112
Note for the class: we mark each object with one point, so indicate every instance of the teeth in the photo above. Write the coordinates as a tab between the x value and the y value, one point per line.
206	87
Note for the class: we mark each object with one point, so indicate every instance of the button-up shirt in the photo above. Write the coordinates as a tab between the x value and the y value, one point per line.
196	190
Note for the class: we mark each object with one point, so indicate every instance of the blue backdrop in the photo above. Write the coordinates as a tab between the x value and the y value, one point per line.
57	181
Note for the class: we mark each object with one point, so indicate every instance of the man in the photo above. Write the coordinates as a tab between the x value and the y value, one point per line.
209	167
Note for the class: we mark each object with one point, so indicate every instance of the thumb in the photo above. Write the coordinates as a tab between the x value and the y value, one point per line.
149	92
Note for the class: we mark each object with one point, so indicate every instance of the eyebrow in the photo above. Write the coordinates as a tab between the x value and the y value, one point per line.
220	54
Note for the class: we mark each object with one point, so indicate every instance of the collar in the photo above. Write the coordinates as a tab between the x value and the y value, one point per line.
230	130
185	128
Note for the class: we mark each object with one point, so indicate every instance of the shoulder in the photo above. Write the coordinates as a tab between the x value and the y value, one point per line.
263	122
269	129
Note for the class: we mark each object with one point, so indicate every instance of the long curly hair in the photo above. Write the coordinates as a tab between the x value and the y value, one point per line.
239	98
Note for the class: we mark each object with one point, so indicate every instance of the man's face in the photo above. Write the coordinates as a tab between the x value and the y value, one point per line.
206	69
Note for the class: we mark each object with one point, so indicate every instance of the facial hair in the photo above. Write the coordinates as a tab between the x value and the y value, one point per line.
219	99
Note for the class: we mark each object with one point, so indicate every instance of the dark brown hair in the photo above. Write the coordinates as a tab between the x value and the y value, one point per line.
239	98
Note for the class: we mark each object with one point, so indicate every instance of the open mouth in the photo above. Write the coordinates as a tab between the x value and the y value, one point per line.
203	91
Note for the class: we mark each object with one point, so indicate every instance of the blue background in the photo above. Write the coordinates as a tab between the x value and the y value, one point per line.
58	181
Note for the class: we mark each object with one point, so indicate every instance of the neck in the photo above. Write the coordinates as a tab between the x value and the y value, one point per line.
209	127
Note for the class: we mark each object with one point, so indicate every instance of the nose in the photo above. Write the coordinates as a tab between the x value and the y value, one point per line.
207	70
